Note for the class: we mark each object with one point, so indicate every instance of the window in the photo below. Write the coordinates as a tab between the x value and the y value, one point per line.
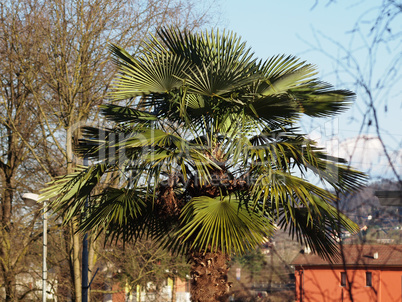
343	279
368	279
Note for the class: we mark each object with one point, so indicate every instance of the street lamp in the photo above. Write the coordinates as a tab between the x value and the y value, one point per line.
31	199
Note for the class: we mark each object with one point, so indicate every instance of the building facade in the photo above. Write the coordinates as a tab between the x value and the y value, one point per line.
363	273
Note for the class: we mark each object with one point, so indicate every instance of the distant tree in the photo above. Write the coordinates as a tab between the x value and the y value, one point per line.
253	261
142	263
205	157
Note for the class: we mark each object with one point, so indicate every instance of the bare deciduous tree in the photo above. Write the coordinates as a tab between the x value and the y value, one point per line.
19	68
370	63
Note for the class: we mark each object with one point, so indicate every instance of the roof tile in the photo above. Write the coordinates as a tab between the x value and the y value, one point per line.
360	255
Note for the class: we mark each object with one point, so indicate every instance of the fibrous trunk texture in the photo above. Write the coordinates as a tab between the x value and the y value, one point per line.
209	277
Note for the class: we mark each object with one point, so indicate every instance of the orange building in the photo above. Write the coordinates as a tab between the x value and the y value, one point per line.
365	272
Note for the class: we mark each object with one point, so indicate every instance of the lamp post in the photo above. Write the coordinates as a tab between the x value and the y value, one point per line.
31	199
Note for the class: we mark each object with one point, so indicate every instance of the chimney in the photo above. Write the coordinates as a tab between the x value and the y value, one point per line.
375	256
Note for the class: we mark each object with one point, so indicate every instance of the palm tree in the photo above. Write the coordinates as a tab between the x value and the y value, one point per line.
206	157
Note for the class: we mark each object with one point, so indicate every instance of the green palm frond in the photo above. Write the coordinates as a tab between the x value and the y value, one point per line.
222	224
321	100
114	207
154	73
221	62
124	214
283	189
225	48
121	114
69	193
318	227
288	150
282	74
275	110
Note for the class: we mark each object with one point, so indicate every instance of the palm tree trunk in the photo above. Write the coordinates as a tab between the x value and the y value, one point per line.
209	277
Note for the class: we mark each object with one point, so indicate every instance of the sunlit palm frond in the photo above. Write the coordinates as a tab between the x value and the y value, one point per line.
282	74
222	224
318	228
221	63
154	73
281	189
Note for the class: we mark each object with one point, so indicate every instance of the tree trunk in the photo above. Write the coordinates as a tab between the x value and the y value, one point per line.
209	277
76	240
6	238
6	204
76	263
9	286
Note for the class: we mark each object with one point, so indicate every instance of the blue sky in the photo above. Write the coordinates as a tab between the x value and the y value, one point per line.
299	27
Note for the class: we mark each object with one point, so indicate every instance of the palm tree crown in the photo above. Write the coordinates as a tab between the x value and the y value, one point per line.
205	154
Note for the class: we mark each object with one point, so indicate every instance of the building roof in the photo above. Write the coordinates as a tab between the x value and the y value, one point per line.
357	255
